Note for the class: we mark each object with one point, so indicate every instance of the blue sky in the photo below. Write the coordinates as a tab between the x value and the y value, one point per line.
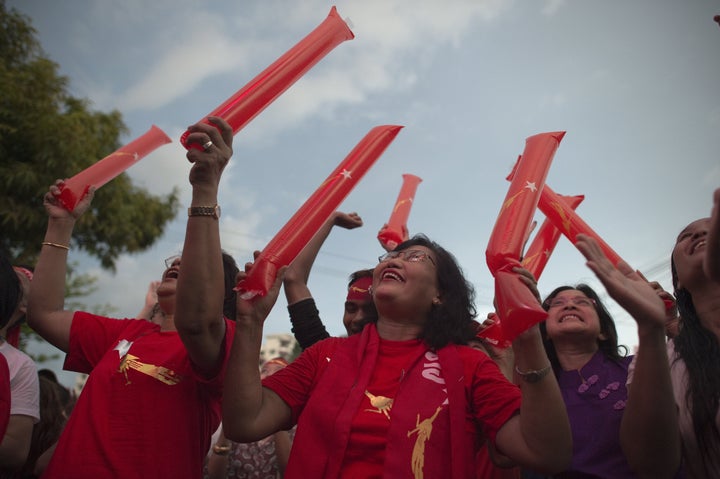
634	84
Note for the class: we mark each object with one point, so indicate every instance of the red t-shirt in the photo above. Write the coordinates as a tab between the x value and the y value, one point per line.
365	454
144	411
494	400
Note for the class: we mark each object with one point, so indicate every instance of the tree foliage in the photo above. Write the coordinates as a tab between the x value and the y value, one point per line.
45	134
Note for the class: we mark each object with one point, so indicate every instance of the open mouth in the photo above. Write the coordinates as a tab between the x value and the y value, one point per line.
571	317
391	276
172	273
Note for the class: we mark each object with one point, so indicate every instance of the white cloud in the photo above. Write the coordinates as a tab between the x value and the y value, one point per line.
182	70
376	62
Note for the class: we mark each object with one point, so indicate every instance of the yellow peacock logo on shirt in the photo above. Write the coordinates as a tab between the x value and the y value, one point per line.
130	361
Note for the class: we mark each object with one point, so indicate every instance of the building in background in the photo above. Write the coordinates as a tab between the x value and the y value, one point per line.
281	344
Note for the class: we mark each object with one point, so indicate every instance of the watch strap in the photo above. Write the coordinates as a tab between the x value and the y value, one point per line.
213	211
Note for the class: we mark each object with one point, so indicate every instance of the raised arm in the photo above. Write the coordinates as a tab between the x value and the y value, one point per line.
712	255
298	273
306	323
46	314
250	411
151	301
200	286
649	433
539	437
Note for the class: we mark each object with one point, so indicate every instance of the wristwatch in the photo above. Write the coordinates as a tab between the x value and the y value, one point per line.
213	211
534	375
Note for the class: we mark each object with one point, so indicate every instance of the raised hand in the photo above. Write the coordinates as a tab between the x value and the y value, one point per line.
529	280
255	310
209	163
347	220
625	285
56	211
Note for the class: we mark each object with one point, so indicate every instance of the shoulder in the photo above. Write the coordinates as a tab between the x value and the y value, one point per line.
94	320
16	359
475	364
330	344
471	356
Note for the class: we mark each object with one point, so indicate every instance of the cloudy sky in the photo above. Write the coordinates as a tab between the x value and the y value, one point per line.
634	85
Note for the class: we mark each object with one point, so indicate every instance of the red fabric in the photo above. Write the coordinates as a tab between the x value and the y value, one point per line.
13	335
365	454
360	290
4	396
325	389
143	412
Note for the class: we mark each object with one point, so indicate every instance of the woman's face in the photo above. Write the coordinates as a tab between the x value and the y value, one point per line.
168	283
407	283
689	253
572	313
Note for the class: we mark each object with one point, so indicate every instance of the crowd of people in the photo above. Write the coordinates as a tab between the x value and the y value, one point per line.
411	391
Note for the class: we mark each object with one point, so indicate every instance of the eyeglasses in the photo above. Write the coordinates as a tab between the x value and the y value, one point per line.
171	260
576	301
409	255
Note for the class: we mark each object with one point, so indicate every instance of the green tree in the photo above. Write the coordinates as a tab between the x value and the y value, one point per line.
46	134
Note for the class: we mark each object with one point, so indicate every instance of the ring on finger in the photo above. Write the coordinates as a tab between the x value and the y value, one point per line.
206	146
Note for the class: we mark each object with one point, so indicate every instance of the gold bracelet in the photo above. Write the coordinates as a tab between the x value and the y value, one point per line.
534	375
55	245
221	450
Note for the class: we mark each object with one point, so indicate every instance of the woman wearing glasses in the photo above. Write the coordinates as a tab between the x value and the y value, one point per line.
152	398
582	344
405	398
673	417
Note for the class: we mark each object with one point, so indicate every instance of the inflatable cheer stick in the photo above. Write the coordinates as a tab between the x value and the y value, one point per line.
517	308
394	232
250	100
296	233
545	240
75	188
569	223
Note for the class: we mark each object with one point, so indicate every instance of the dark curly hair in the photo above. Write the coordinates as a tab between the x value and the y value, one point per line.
451	321
699	348
361	273
230	271
10	291
609	346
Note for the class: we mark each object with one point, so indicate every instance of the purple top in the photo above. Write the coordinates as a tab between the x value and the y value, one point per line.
595	398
